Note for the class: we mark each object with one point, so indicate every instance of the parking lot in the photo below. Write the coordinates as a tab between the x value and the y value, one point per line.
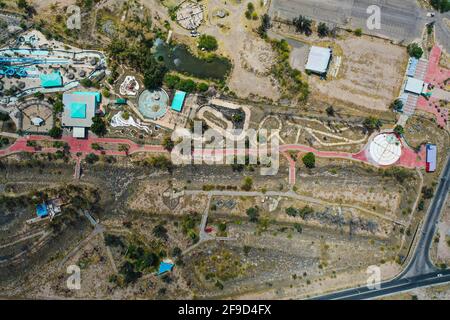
401	20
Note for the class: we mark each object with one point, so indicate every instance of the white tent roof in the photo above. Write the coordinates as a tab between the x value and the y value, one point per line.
414	85
37	121
318	59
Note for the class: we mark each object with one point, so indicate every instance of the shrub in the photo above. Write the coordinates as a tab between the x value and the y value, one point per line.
358	32
209	43
309	160
414	50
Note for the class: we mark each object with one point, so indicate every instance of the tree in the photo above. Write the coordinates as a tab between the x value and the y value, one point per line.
309	160
92	158
427	192
168	143
124	148
372	123
171	80
160	231
207	42
399	130
323	30
202	87
58	106
358	32
4	116
98	126
441	5
55	132
397	105
414	50
302	25
330	111
253	214
265	25
154	75
247	184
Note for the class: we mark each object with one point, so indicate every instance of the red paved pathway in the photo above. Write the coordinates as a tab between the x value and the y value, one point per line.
436	76
409	159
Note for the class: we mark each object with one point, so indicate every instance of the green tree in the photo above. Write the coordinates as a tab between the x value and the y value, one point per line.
397	105
98	126
209	43
247	184
399	130
323	30
372	123
264	26
441	5
302	25
168	143
309	160
202	87
92	158
414	50
55	132
253	214
358	32
154	75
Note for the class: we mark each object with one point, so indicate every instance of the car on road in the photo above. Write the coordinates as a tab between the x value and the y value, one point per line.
430	14
439	275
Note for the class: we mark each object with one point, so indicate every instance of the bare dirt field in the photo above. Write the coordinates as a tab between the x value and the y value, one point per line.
370	76
236	40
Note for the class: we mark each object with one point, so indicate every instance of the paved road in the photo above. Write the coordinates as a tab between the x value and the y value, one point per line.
401	20
420	271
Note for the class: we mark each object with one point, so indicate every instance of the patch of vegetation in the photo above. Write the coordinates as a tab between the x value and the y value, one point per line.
247	184
303	212
207	42
441	5
303	25
309	160
290	80
253	214
414	50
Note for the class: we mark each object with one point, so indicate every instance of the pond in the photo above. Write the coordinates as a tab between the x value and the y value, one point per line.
180	59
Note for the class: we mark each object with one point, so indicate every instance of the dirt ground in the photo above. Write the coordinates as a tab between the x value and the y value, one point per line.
236	40
370	75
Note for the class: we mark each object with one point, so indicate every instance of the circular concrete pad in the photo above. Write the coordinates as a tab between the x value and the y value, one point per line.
385	149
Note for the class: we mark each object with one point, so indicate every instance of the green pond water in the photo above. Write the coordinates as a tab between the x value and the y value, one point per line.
180	59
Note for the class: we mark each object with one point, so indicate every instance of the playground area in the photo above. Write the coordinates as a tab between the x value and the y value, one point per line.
36	64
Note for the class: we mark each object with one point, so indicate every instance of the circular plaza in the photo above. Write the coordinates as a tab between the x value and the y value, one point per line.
153	104
385	149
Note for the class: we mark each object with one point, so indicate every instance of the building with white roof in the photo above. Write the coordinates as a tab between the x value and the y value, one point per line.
318	60
414	85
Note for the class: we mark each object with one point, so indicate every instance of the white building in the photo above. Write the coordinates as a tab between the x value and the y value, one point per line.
318	60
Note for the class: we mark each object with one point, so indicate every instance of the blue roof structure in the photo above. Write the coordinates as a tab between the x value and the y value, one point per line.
78	110
41	210
165	267
178	101
431	157
51	80
412	67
